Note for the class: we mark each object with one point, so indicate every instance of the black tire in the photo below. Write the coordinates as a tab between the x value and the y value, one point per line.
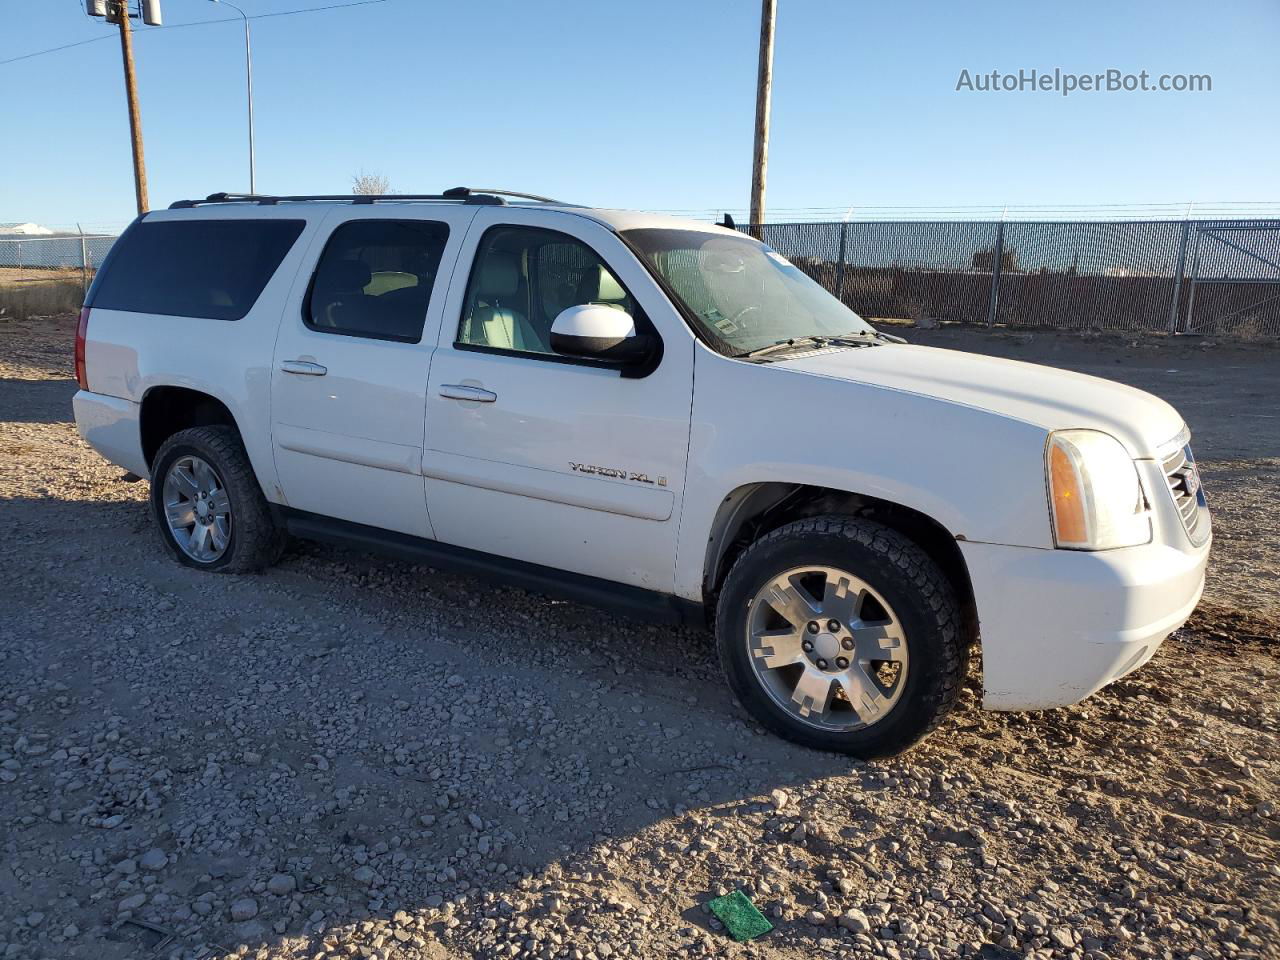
905	576
255	540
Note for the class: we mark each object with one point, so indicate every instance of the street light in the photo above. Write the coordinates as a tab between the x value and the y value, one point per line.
248	73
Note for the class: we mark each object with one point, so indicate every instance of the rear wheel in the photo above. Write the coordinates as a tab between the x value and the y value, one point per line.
841	634
208	505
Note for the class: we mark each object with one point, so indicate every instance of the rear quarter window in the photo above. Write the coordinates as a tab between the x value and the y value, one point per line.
214	269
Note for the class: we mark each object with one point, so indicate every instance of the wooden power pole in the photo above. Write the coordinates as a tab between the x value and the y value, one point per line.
764	96
121	13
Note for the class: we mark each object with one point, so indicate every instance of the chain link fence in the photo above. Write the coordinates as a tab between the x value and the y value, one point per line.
1212	277
48	275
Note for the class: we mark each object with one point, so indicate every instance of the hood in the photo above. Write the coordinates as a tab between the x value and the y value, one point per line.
1045	396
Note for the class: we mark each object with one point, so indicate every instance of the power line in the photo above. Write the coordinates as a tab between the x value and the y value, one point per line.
278	13
65	46
197	23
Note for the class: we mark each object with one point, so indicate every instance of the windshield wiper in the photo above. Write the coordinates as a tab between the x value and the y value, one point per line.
782	345
856	338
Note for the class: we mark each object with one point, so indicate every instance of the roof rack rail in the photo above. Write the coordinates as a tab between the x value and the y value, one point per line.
501	193
457	194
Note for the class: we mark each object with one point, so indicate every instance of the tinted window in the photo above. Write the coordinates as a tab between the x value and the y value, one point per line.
214	269
523	277
374	279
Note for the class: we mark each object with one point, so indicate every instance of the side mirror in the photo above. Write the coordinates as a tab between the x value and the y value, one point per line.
600	333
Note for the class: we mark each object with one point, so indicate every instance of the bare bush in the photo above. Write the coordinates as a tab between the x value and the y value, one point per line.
371	184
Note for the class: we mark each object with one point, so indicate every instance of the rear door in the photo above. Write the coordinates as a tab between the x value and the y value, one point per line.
351	361
538	457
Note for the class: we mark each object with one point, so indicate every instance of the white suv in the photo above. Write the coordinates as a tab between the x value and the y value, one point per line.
660	416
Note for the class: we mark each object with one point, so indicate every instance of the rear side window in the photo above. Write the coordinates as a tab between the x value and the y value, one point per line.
214	269
374	279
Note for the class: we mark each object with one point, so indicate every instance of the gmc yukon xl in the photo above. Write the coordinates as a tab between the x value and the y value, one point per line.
663	417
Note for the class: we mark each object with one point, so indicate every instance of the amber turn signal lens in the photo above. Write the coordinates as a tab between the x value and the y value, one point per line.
1068	498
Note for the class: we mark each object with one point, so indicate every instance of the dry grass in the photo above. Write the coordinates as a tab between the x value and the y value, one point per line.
40	293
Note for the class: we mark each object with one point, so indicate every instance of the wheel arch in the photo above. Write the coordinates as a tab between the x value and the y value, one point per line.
752	510
166	409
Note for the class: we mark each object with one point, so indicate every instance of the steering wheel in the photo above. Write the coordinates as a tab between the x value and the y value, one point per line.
736	319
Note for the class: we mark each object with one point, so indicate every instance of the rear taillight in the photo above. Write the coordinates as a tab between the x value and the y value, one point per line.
82	331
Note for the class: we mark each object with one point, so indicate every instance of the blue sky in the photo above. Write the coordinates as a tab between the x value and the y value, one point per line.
646	105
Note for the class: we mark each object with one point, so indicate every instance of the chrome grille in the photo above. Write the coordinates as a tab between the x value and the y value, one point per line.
1183	478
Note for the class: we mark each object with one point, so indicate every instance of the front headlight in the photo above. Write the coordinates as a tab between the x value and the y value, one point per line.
1095	496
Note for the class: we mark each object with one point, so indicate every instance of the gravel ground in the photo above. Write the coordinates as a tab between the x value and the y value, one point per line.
353	757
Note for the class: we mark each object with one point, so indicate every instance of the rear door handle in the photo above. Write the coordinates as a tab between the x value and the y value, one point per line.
303	368
459	391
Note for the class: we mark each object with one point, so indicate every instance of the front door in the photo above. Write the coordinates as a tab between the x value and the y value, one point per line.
349	380
534	456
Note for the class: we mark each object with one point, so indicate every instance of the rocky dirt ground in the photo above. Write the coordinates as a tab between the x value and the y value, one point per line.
353	757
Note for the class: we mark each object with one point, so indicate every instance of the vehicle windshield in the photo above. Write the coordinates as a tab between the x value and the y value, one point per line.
743	293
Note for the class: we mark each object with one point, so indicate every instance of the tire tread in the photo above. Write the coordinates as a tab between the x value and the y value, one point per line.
923	576
259	540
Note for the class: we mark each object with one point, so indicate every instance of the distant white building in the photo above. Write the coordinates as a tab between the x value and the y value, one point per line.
25	230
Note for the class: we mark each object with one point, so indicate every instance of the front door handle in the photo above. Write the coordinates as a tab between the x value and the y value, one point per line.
303	368
459	391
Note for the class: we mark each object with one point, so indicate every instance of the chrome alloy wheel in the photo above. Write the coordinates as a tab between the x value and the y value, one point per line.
827	648
197	509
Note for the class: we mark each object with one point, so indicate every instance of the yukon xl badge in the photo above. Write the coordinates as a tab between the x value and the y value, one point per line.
616	473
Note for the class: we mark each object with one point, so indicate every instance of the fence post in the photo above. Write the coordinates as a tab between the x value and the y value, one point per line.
997	257
1195	273
19	255
844	238
1177	279
84	262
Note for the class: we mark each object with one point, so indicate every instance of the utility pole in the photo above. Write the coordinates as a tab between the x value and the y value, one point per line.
117	12
120	11
764	95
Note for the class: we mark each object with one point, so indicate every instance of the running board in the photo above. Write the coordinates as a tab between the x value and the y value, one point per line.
636	602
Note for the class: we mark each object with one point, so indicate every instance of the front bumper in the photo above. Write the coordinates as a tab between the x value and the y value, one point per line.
1058	625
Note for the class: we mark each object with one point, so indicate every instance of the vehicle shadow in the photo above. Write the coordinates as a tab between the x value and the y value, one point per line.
430	759
36	401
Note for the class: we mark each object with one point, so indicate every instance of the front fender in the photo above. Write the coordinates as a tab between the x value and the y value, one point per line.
978	474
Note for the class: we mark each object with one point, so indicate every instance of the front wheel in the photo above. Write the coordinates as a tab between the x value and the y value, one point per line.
842	634
208	505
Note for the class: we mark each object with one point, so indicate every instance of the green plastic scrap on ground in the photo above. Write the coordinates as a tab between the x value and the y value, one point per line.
740	916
